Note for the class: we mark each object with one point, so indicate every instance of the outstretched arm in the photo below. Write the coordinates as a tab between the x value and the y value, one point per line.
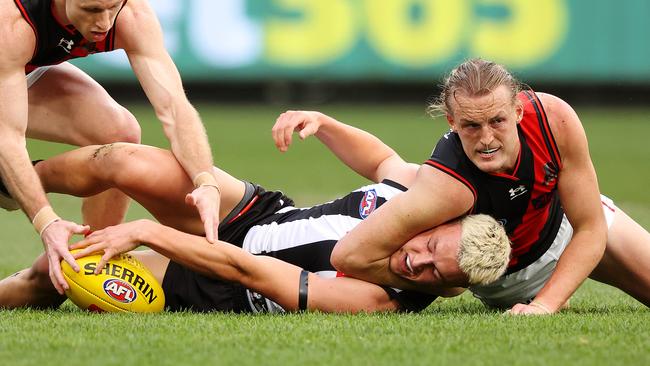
141	37
361	151
271	277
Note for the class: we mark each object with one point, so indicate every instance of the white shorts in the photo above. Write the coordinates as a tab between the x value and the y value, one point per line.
522	286
33	76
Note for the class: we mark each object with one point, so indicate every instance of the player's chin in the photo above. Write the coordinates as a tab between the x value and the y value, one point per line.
488	165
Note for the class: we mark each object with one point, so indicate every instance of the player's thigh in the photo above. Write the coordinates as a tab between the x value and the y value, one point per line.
155	262
627	255
66	105
152	177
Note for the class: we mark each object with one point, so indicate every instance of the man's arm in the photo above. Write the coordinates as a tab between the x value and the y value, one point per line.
433	199
275	279
140	35
17	40
580	197
361	151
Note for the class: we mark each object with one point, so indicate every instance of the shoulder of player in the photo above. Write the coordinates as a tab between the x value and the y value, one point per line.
564	122
16	35
135	21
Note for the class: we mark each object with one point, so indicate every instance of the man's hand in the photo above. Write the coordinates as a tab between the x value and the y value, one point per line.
110	242
55	240
206	199
534	308
306	123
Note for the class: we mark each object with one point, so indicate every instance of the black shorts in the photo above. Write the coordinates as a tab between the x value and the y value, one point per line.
189	290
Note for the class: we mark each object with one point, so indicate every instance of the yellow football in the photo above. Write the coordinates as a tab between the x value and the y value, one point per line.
124	285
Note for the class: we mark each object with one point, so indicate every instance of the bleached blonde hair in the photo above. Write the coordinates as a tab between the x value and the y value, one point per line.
484	250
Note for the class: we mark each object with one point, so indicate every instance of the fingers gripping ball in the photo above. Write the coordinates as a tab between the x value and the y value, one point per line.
125	285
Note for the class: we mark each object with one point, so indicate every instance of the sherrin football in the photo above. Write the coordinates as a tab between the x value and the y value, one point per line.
125	285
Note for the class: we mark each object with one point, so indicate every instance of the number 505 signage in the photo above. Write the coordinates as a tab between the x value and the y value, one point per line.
391	39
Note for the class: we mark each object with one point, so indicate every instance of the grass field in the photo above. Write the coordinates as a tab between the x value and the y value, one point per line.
603	326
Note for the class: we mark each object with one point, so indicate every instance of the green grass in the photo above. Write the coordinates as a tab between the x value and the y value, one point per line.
603	326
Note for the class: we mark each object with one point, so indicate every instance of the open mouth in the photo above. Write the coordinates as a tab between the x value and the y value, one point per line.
408	264
489	152
98	35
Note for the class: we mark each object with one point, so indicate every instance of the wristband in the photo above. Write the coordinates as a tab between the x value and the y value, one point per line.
44	218
303	284
206	179
539	305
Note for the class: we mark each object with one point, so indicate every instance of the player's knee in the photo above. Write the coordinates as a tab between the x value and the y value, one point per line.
118	125
39	273
112	161
125	128
112	156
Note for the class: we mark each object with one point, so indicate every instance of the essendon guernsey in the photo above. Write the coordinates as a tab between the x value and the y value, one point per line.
56	42
525	202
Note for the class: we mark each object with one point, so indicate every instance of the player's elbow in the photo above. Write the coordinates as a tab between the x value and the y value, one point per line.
345	261
338	258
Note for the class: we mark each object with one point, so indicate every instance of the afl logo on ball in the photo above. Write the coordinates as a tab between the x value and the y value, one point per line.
120	290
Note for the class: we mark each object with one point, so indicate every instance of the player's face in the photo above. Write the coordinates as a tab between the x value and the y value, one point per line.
430	259
487	127
93	18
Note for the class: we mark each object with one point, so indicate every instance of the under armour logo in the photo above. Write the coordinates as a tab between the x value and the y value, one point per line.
66	44
516	192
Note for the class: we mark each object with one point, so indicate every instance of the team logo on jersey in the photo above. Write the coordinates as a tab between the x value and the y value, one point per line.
66	44
550	173
368	203
516	192
120	290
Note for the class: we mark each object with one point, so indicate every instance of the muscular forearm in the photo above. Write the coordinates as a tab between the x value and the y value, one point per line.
17	172
358	149
19	176
187	137
221	259
576	263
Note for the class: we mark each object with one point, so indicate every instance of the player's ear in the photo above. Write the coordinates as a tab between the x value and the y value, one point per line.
450	122
519	110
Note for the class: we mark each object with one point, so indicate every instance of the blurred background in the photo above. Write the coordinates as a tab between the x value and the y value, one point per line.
324	50
376	64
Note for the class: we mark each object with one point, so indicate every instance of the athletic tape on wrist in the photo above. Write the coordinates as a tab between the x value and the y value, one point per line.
44	218
303	289
206	179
